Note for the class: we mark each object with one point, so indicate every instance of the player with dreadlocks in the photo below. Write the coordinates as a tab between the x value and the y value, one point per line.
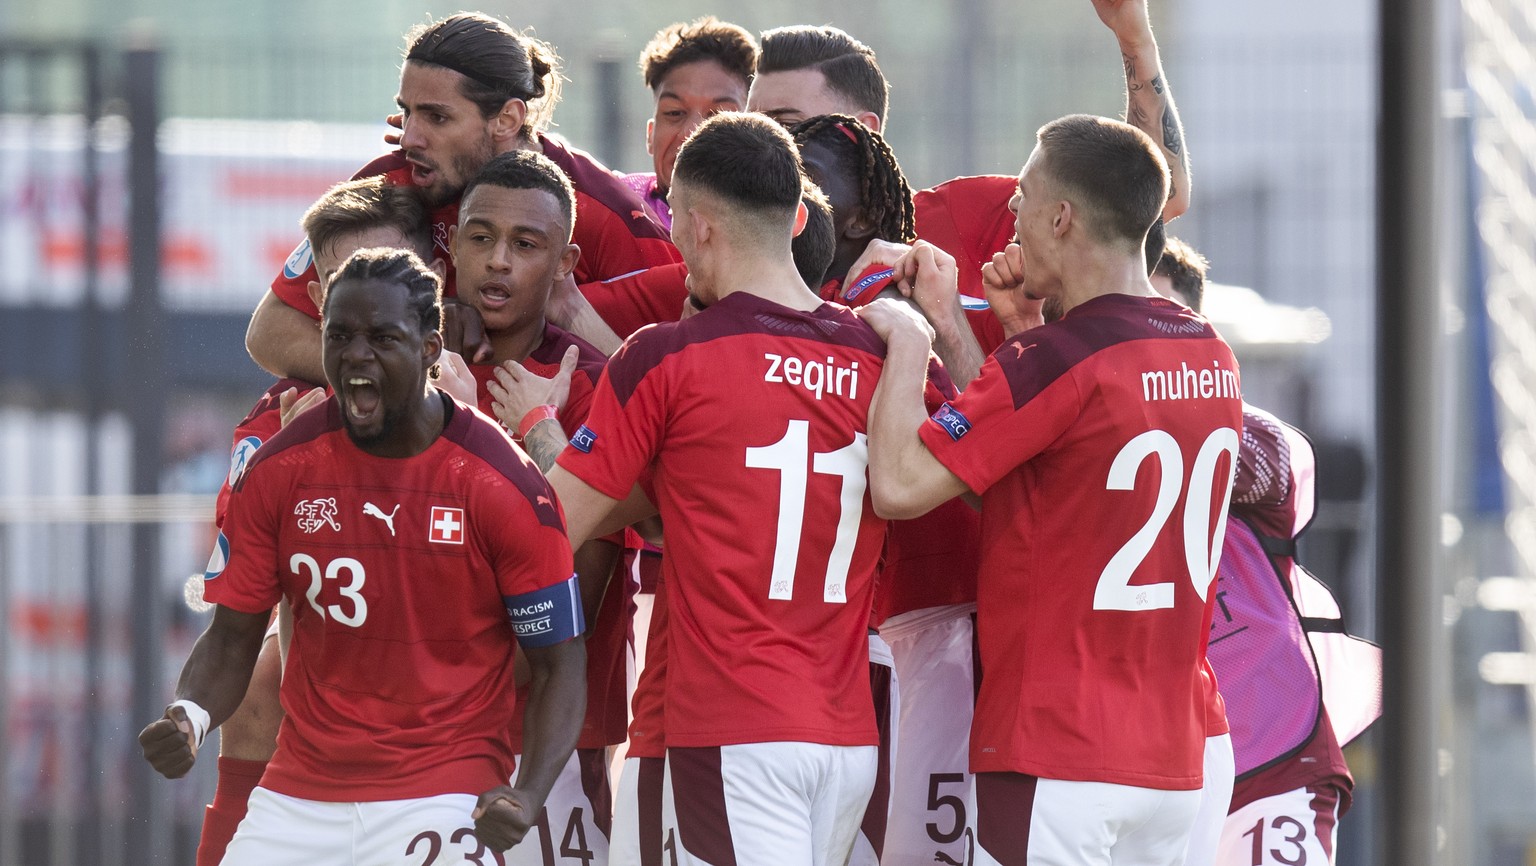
869	194
927	586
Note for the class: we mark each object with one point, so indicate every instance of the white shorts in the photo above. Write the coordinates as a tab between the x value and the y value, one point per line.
279	830
1215	797
1028	821
637	806
882	683
767	804
1299	826
572	830
930	770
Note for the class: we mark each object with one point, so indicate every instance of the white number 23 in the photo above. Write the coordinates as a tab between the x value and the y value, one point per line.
351	591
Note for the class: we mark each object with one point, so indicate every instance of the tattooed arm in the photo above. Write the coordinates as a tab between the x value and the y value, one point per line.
1148	99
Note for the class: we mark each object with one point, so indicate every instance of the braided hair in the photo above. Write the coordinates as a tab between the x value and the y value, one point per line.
423	287
883	190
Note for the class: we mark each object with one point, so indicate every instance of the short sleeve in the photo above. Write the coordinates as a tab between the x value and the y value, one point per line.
983	435
625	425
247	577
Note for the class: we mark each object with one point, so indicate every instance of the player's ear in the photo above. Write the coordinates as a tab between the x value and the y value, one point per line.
870	120
650	130
507	125
802	216
316	294
431	348
1063	219
568	259
861	228
439	267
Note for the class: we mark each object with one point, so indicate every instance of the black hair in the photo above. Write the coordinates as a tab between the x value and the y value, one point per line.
497	63
884	193
524	169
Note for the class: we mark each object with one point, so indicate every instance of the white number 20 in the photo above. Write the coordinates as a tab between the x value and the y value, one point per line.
1201	555
333	571
789	456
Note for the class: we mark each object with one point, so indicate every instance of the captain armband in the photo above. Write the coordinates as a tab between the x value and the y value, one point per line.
546	616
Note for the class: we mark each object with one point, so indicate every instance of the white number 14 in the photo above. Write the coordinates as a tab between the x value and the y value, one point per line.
789	456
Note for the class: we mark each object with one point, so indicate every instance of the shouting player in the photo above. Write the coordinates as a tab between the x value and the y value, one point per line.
769	725
353	215
470	88
1102	446
384	521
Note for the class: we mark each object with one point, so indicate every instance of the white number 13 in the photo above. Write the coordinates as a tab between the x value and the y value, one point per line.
789	456
1201	555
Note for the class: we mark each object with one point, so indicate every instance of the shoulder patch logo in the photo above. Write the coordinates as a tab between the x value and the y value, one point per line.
446	525
218	559
315	513
583	439
954	423
298	261
245	449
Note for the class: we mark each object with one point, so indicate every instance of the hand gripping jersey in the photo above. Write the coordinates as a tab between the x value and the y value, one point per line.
402	574
545	361
1277	642
1102	446
968	217
617	232
753	418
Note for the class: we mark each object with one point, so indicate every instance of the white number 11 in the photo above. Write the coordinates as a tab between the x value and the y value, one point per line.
789	457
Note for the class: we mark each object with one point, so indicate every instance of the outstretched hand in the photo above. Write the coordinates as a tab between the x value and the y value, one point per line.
169	743
502	817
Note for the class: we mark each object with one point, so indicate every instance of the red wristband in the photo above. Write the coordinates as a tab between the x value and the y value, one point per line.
536	415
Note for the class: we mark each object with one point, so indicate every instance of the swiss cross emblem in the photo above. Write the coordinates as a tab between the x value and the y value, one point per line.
447	526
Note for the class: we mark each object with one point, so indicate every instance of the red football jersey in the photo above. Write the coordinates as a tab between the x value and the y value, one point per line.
545	361
399	683
753	418
259	425
1103	447
606	677
629	302
617	232
968	217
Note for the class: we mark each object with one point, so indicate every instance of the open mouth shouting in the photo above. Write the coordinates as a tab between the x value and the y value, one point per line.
362	402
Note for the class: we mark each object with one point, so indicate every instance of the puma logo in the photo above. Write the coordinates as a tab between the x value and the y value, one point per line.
372	510
544	500
1020	348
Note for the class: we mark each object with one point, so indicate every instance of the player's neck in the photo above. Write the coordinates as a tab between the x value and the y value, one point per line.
769	276
518	342
1096	271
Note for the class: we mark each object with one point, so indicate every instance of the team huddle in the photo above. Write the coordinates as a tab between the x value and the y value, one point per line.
959	542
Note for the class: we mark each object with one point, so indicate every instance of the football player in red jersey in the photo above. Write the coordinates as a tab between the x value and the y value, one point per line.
350	216
1090	726
693	70
383	520
770	733
512	244
470	87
